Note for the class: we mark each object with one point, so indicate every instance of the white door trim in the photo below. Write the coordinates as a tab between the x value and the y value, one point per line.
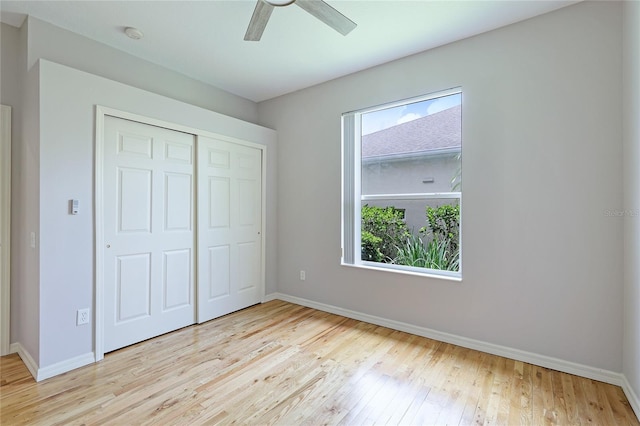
101	112
5	229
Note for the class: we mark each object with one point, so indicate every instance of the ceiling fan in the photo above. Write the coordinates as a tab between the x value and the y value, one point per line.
317	8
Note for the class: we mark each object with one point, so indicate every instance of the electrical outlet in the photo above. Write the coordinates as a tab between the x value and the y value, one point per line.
303	275
82	317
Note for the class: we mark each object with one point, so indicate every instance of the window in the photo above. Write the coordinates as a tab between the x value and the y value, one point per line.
402	185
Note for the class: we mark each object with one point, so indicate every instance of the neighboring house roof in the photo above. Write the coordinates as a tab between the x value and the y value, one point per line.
438	131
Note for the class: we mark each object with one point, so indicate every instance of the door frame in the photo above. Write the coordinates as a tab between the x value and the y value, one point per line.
100	113
5	230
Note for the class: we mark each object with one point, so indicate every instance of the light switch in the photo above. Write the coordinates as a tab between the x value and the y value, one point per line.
74	206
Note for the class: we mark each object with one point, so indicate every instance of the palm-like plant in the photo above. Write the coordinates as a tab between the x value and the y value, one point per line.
436	254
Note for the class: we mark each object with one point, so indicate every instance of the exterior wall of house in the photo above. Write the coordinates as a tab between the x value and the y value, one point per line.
542	263
408	176
631	217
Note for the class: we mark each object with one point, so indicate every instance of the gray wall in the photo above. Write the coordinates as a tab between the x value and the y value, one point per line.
20	90
9	57
542	156
631	69
10	94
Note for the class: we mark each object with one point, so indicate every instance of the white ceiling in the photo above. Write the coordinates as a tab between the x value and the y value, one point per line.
204	39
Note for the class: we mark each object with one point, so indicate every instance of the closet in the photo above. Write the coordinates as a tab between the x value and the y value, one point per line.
181	231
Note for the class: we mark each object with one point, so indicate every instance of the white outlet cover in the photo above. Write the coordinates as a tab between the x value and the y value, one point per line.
82	317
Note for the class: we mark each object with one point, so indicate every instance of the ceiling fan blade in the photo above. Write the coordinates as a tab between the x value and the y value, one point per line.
328	15
259	20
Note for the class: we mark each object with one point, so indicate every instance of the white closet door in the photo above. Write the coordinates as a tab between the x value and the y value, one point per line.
229	227
149	254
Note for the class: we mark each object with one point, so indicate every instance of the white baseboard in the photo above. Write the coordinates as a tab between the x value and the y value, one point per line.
631	396
26	357
40	374
66	365
516	354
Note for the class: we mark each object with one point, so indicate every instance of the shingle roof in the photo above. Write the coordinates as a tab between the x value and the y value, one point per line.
434	132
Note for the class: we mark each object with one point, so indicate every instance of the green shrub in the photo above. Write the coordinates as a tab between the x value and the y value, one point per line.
412	253
385	238
444	224
444	231
371	247
435	255
439	256
383	230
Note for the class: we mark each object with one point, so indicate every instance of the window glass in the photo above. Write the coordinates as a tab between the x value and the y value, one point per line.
403	185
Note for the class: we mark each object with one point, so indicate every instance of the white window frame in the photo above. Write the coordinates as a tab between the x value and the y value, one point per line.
352	198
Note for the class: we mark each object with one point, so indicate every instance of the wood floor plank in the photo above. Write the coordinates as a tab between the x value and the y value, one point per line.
410	367
570	400
284	364
493	407
460	384
473	388
619	404
437	397
486	389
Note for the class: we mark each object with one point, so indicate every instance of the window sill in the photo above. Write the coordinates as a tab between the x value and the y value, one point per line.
455	277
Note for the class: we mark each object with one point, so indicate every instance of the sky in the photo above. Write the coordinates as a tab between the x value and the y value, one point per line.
385	118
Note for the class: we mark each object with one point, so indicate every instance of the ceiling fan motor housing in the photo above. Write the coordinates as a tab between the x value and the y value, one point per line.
279	2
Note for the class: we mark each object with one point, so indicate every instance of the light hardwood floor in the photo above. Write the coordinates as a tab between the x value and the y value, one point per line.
280	363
